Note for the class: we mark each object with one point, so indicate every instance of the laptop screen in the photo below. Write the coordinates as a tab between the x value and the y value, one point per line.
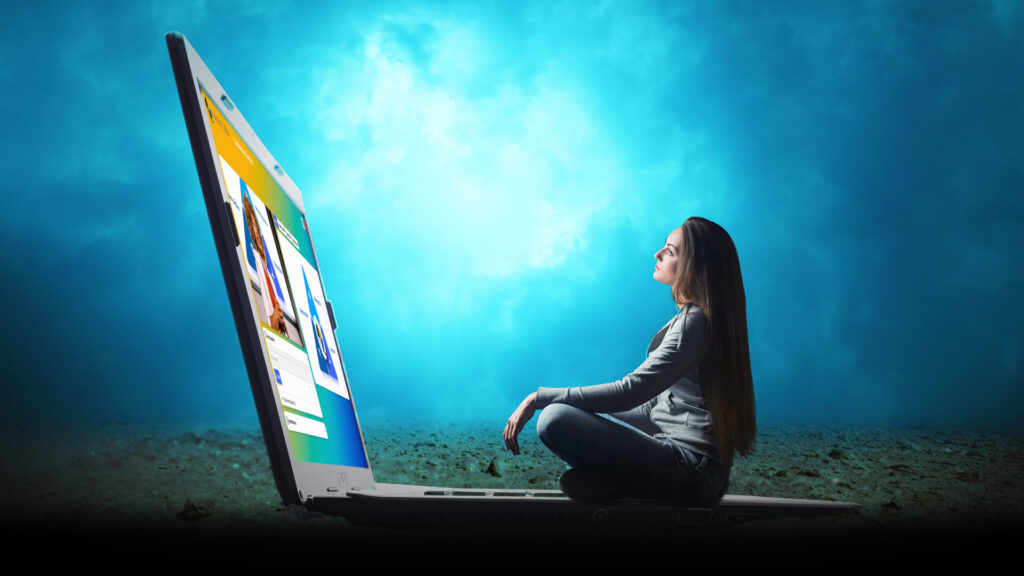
286	290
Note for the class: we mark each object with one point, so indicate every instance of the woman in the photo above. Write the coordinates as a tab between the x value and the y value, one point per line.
668	430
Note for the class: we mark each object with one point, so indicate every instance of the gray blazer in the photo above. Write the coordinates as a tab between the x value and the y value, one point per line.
666	396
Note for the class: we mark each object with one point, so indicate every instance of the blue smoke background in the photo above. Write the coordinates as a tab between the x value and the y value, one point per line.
487	184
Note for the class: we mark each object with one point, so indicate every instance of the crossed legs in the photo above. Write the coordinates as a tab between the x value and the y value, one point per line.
611	459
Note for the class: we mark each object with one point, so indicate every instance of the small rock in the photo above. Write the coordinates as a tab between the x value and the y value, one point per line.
496	467
192	511
835	454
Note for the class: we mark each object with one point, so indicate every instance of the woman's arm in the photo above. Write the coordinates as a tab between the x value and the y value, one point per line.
685	345
516	422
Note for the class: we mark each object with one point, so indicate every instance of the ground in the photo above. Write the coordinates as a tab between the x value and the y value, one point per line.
906	481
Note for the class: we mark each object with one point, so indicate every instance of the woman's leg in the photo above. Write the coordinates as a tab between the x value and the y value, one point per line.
620	460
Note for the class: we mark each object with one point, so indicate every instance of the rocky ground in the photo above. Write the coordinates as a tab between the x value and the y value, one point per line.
907	481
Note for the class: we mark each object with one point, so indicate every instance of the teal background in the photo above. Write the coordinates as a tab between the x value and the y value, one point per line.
487	184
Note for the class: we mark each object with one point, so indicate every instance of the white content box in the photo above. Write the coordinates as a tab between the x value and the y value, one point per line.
304	425
292	374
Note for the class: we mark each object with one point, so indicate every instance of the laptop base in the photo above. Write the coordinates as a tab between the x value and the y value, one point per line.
438	508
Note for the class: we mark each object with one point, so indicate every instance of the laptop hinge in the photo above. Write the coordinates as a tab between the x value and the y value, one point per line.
330	312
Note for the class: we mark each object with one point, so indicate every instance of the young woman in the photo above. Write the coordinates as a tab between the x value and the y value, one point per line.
668	430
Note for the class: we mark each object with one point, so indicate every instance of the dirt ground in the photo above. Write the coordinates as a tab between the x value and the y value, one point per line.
906	481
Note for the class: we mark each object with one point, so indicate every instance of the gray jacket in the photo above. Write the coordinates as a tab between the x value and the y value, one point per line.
669	390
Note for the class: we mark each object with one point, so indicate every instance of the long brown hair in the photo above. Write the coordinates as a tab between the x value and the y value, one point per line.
709	276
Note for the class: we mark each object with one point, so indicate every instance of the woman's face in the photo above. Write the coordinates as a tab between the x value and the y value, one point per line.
668	258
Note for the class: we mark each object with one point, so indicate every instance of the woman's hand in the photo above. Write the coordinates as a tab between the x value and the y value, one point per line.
517	420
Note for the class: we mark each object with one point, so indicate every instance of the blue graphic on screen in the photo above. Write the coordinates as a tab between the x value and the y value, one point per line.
322	352
248	235
266	251
273	272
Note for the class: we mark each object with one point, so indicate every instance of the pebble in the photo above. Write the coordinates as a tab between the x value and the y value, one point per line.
896	502
193	510
496	467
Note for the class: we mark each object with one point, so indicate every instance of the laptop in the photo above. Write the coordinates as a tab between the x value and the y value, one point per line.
286	328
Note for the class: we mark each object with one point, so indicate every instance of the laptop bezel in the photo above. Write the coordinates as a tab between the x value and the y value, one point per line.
297	482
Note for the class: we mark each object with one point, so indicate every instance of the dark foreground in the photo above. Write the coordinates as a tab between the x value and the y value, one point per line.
916	488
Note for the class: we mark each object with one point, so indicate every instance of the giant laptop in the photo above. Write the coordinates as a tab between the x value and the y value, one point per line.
304	400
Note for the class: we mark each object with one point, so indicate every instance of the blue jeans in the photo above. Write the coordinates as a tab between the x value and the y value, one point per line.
638	464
